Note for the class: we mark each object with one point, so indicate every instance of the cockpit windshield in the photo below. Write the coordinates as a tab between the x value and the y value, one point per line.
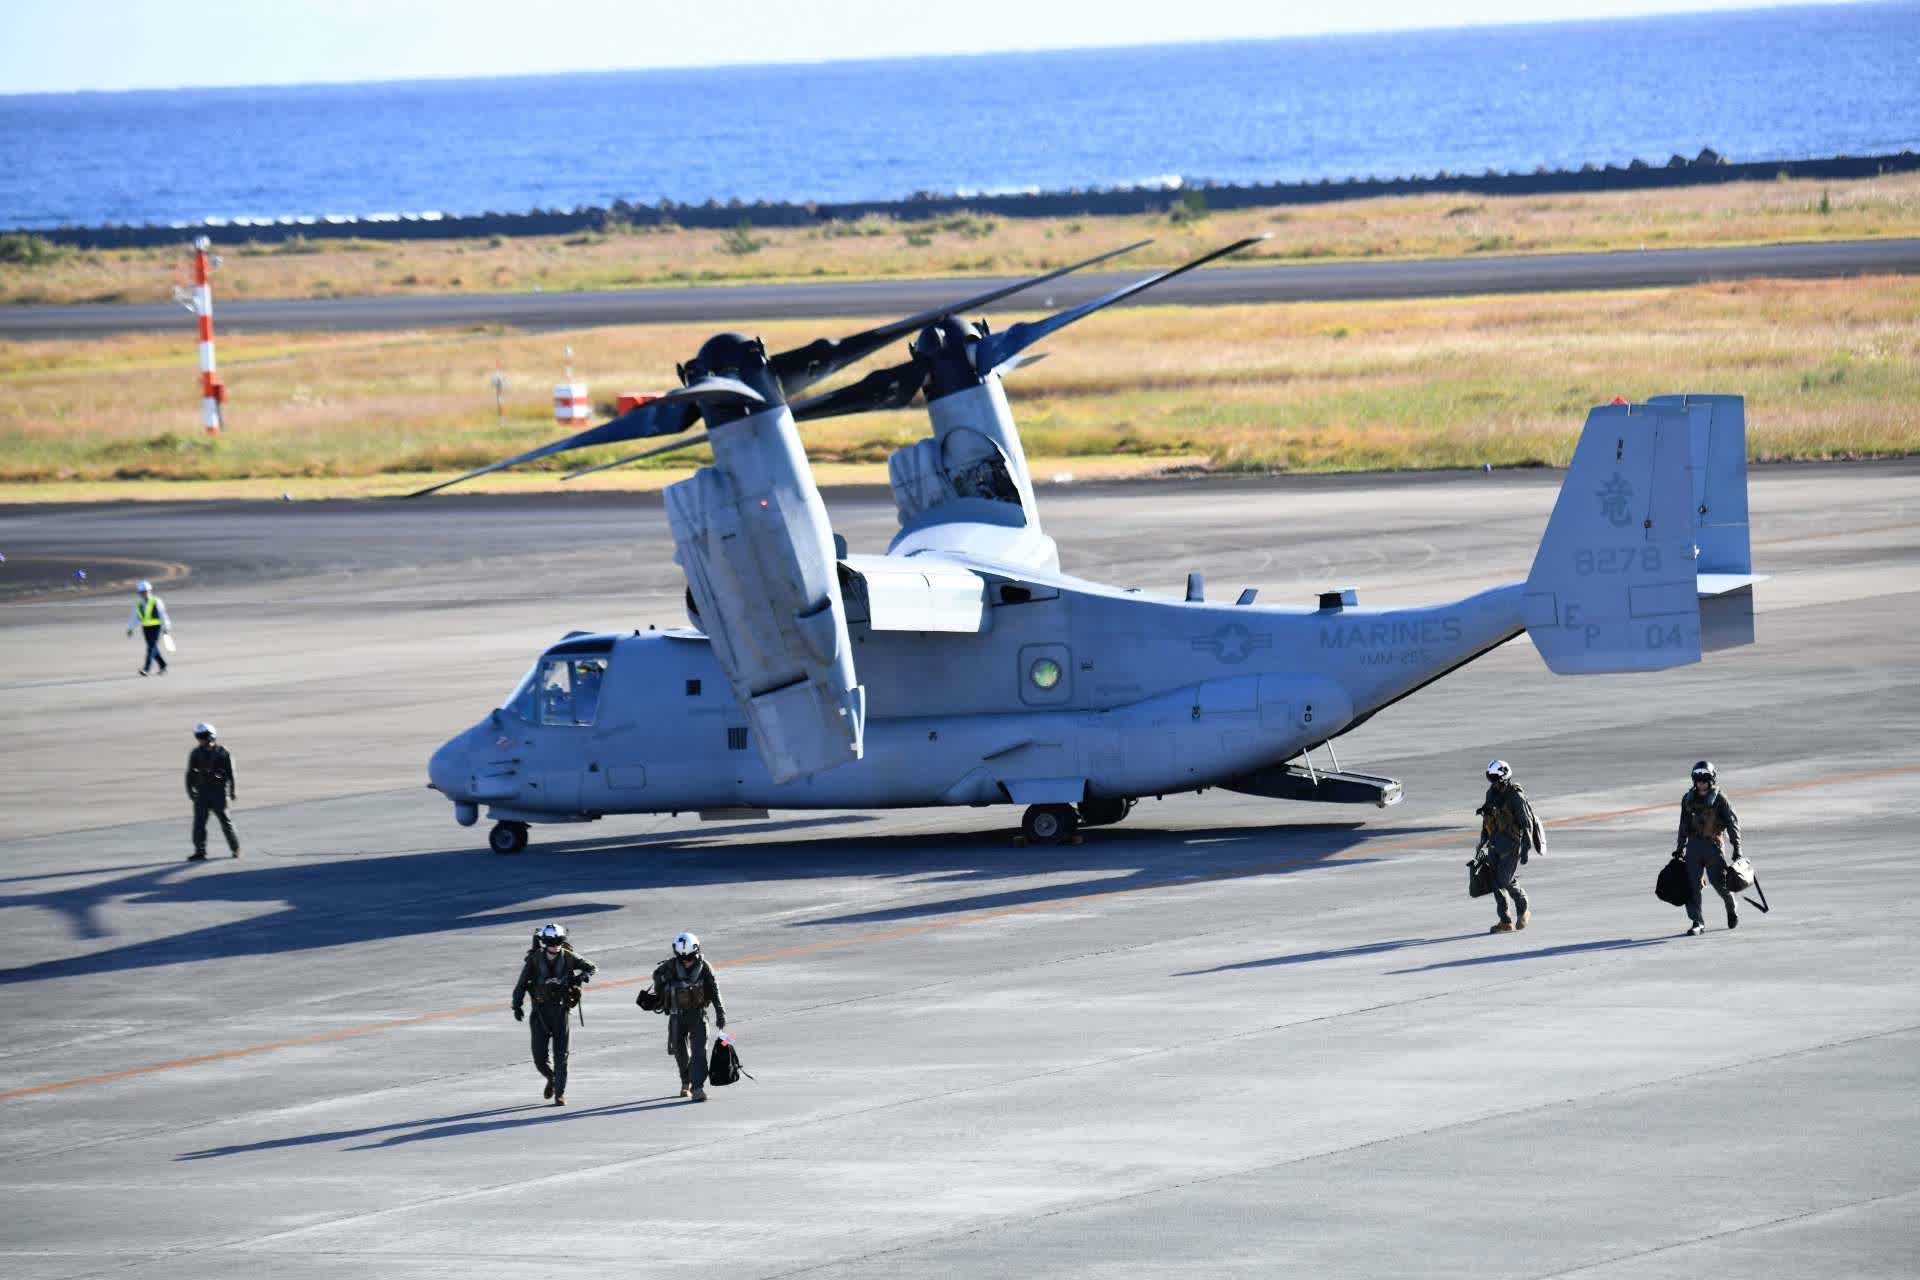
564	686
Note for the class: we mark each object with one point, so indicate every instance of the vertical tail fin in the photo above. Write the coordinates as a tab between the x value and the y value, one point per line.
1615	585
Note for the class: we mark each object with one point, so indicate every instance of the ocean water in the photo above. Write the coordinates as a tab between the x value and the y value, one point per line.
1767	84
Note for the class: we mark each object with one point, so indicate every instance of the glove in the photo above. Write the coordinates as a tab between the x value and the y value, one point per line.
584	979
720	1021
519	1014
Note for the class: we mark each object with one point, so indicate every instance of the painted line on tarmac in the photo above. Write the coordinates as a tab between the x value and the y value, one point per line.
925	927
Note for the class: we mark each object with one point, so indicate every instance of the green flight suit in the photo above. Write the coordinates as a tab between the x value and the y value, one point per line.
1705	822
685	993
549	982
1508	831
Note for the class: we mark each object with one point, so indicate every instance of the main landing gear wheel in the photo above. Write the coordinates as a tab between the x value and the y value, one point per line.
508	837
1103	812
1049	823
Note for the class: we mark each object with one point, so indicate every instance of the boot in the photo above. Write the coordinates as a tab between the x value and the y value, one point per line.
699	1095
559	1100
1505	926
548	1091
198	857
1695	930
1526	918
1733	917
686	1091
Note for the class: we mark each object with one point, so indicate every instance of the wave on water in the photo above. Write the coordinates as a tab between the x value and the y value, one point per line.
1550	96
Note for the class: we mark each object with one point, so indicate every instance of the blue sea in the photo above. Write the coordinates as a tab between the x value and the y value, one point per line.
1764	84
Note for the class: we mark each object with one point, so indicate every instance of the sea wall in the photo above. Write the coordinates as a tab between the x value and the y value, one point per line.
1707	167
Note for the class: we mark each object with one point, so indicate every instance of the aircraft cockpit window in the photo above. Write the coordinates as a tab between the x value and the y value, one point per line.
568	690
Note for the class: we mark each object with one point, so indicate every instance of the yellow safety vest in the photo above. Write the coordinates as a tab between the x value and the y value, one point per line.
150	611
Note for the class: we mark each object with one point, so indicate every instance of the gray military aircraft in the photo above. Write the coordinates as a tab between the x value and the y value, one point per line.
963	667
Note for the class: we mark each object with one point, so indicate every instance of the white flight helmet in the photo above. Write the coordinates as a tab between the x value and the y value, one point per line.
686	945
553	935
204	730
1499	771
143	585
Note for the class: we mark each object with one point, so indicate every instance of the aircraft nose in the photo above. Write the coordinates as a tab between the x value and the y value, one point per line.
447	770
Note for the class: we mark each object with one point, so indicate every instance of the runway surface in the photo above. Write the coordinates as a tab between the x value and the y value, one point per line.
1229	1036
719	304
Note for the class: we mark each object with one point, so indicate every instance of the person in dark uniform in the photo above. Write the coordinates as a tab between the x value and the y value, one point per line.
553	975
1708	826
1508	830
683	988
210	786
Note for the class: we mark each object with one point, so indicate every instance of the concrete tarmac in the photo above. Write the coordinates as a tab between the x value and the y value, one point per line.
1229	1036
725	304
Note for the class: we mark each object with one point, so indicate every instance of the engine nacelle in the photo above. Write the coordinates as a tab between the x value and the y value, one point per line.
752	535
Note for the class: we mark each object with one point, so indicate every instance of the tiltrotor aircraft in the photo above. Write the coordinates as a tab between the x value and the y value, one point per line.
963	667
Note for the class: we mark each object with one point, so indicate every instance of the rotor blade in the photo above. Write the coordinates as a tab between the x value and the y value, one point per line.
997	348
666	415
801	367
892	388
686	442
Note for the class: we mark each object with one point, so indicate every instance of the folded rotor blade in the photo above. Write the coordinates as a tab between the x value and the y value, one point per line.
666	415
892	388
687	442
801	367
996	349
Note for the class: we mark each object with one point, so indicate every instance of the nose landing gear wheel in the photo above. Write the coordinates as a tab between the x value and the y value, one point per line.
508	837
1049	823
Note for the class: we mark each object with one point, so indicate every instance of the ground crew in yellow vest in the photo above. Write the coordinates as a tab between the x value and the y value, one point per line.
150	618
1708	826
553	975
683	988
1508	831
210	786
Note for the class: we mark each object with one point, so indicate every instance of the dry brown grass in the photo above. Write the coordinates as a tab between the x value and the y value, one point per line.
1396	227
1830	369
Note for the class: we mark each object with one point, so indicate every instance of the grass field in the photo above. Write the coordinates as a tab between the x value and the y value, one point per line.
1397	227
1831	369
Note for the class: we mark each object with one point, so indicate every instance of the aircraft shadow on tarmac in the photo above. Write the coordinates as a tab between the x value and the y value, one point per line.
1335	953
455	1126
1188	854
328	903
1540	953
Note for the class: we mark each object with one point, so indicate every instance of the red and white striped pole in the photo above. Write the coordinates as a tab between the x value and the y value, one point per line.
570	404
213	395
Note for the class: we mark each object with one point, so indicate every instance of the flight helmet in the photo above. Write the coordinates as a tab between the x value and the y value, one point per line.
553	935
204	730
1499	771
1703	771
686	945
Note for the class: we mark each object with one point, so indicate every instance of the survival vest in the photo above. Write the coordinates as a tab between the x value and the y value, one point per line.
681	992
536	957
1703	816
1496	817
